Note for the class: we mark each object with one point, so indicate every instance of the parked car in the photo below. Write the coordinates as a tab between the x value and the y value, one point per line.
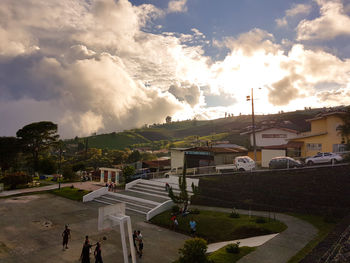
324	158
284	163
241	163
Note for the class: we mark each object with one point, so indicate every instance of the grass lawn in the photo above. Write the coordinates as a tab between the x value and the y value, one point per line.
323	229
218	226
70	193
222	256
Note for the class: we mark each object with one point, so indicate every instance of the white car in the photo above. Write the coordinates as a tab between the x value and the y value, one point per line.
324	158
241	163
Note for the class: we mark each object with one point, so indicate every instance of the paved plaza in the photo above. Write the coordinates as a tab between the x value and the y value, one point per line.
31	228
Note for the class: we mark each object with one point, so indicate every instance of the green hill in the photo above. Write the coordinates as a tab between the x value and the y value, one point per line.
184	133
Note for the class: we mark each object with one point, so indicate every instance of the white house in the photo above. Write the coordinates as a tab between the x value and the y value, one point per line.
271	136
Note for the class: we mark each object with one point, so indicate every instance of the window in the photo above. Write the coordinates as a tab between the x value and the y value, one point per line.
314	146
339	148
274	135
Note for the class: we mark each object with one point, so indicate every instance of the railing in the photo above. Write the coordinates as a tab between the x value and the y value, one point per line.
159	209
97	193
132	183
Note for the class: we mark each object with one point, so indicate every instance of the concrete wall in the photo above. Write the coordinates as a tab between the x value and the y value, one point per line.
268	154
177	158
313	190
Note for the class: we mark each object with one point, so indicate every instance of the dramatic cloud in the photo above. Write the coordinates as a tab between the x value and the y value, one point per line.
189	93
93	64
257	61
299	9
332	22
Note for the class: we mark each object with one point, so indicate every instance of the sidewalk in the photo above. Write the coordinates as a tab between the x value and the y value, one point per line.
91	186
282	247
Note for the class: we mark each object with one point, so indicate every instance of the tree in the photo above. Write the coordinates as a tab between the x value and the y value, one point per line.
118	157
194	251
47	166
183	197
38	137
134	157
128	172
15	179
9	150
344	129
168	119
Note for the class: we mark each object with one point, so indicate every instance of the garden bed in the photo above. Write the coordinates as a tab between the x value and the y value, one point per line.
218	226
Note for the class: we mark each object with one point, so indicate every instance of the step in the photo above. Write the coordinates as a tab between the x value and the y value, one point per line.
155	188
131	207
148	191
126	199
144	197
149	194
141	199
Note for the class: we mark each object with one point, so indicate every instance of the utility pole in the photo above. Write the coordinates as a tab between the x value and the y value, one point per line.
253	122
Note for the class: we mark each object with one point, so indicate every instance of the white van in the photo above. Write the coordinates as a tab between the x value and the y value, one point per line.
241	163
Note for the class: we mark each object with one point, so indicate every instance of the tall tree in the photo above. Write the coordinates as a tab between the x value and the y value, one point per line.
182	197
9	149
345	127
38	137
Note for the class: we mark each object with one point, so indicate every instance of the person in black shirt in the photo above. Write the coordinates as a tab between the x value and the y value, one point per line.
97	253
66	237
85	253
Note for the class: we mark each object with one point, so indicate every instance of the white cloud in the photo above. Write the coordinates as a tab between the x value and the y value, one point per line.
295	10
333	22
92	61
177	6
256	61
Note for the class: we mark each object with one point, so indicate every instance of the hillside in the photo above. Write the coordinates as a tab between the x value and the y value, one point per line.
184	133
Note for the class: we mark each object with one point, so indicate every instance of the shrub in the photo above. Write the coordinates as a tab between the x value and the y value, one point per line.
195	211
68	173
233	248
260	220
234	214
15	179
175	209
128	172
194	251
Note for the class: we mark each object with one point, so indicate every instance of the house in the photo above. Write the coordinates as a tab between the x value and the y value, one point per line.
324	135
160	164
204	156
271	136
270	142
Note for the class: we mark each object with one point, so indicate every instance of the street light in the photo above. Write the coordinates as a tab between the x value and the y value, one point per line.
251	98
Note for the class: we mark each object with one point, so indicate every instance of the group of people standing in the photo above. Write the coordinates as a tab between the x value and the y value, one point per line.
112	187
87	247
86	251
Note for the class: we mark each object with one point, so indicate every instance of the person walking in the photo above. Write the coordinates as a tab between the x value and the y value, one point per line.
134	239
140	240
175	222
97	253
193	226
66	237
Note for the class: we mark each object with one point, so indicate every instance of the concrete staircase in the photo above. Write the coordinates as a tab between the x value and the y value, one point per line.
140	197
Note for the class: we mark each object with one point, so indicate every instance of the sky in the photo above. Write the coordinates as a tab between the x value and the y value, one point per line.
111	65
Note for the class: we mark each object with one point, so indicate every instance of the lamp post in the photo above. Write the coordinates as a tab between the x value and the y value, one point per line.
251	98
